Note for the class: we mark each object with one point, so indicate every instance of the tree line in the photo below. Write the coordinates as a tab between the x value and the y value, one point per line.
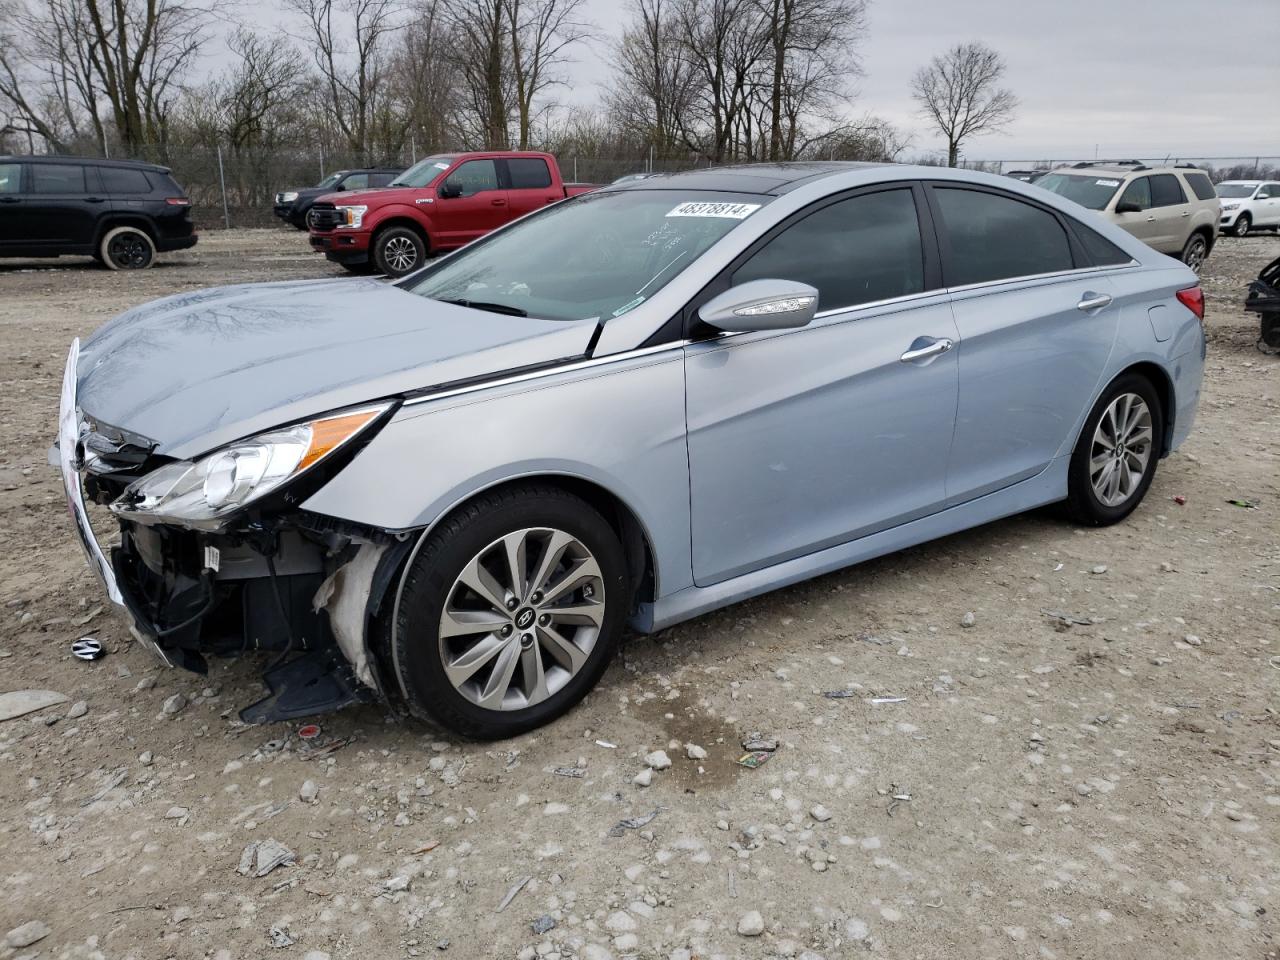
688	80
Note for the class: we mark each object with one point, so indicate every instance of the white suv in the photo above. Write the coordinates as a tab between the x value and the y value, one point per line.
1247	204
1173	209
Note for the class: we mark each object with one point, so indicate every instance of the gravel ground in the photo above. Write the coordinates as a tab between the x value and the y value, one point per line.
1108	788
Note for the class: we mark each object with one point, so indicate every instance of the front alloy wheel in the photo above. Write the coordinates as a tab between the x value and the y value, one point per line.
1241	227
509	612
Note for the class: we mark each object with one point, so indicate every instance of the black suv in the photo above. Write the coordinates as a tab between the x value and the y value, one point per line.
294	205
119	212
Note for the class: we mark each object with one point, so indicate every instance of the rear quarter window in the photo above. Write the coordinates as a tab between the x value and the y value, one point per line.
118	180
1101	251
1201	186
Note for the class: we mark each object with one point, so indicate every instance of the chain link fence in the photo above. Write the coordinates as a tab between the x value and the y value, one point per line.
235	187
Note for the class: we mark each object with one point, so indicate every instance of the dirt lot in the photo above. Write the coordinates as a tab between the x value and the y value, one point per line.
1103	789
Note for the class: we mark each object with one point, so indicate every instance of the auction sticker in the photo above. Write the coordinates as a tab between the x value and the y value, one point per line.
1107	183
705	208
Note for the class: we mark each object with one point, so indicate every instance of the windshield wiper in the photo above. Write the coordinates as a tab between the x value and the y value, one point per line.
503	308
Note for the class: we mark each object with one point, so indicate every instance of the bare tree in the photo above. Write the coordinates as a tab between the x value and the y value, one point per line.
539	33
959	92
482	57
652	83
425	63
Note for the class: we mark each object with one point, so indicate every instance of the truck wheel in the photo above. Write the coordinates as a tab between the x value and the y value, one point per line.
398	251
127	248
509	612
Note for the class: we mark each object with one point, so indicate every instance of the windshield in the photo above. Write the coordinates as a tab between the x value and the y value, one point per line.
1236	191
596	256
331	179
423	172
1092	191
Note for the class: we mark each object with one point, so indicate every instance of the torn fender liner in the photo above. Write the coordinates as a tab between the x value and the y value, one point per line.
345	596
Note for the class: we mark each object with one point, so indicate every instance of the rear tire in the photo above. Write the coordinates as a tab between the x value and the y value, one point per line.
1195	252
1241	227
398	251
1115	458
127	248
519	660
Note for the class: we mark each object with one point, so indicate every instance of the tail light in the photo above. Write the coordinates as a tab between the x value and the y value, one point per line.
177	201
1193	299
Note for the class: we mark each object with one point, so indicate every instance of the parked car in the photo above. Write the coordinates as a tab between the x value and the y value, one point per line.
1247	204
1026	176
292	206
1173	209
439	204
637	405
119	212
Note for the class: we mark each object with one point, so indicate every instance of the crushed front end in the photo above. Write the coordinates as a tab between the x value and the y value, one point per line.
208	566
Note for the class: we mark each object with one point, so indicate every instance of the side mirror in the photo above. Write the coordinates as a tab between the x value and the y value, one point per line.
1128	206
339	187
761	305
450	190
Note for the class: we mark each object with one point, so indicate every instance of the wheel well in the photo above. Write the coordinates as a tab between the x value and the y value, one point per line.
402	222
1210	235
631	534
142	223
1158	378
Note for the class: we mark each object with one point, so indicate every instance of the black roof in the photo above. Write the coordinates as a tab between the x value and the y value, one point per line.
771	178
96	161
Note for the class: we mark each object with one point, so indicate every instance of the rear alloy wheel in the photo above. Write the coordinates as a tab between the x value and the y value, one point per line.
1115	459
398	251
127	248
1241	227
509	612
1195	252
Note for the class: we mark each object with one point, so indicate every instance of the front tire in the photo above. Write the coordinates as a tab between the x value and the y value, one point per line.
1115	458
127	248
398	251
1195	251
509	612
1242	225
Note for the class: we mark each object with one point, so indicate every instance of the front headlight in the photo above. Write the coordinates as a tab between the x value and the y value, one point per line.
202	493
289	196
1230	206
352	216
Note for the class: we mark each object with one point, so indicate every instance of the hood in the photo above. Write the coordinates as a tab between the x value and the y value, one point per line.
198	370
372	195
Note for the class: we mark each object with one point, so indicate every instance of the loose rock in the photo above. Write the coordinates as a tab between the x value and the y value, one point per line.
30	932
658	760
751	924
174	705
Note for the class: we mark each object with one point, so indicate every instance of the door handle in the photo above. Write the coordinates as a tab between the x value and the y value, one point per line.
498	202
94	199
1093	301
1186	213
1151	219
8	200
928	348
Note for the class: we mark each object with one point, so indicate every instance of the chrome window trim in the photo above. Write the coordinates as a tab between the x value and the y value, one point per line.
1007	281
570	366
875	304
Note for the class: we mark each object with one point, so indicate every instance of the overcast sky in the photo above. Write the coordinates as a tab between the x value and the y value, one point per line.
1140	78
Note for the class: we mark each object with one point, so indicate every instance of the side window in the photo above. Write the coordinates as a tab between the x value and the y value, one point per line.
853	251
1102	252
993	237
1269	191
380	179
119	180
1139	192
357	181
57	178
1201	186
1166	191
10	178
475	176
528	173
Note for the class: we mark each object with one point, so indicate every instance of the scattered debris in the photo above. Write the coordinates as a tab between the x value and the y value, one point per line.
1179	499
754	759
511	893
18	703
309	731
839	694
1099	569
543	924
279	937
113	781
756	742
888	699
1246	504
876	641
897	796
633	823
1068	618
606	744
576	772
427	847
262	856
88	648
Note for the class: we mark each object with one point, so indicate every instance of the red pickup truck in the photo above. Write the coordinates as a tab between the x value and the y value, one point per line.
438	204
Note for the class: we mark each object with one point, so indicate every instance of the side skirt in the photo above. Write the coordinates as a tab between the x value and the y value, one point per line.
1049	486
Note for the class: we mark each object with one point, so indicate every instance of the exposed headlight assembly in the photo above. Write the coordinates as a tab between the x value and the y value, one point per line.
352	216
202	494
1230	206
289	196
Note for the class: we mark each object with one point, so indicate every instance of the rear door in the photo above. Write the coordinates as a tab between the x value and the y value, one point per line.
1172	210
1036	328
1141	222
1267	202
63	204
480	207
13	217
529	185
804	439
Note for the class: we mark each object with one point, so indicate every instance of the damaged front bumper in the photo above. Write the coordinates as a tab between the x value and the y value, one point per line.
299	585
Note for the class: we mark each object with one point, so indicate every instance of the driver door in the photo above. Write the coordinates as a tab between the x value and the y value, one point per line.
480	207
807	438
